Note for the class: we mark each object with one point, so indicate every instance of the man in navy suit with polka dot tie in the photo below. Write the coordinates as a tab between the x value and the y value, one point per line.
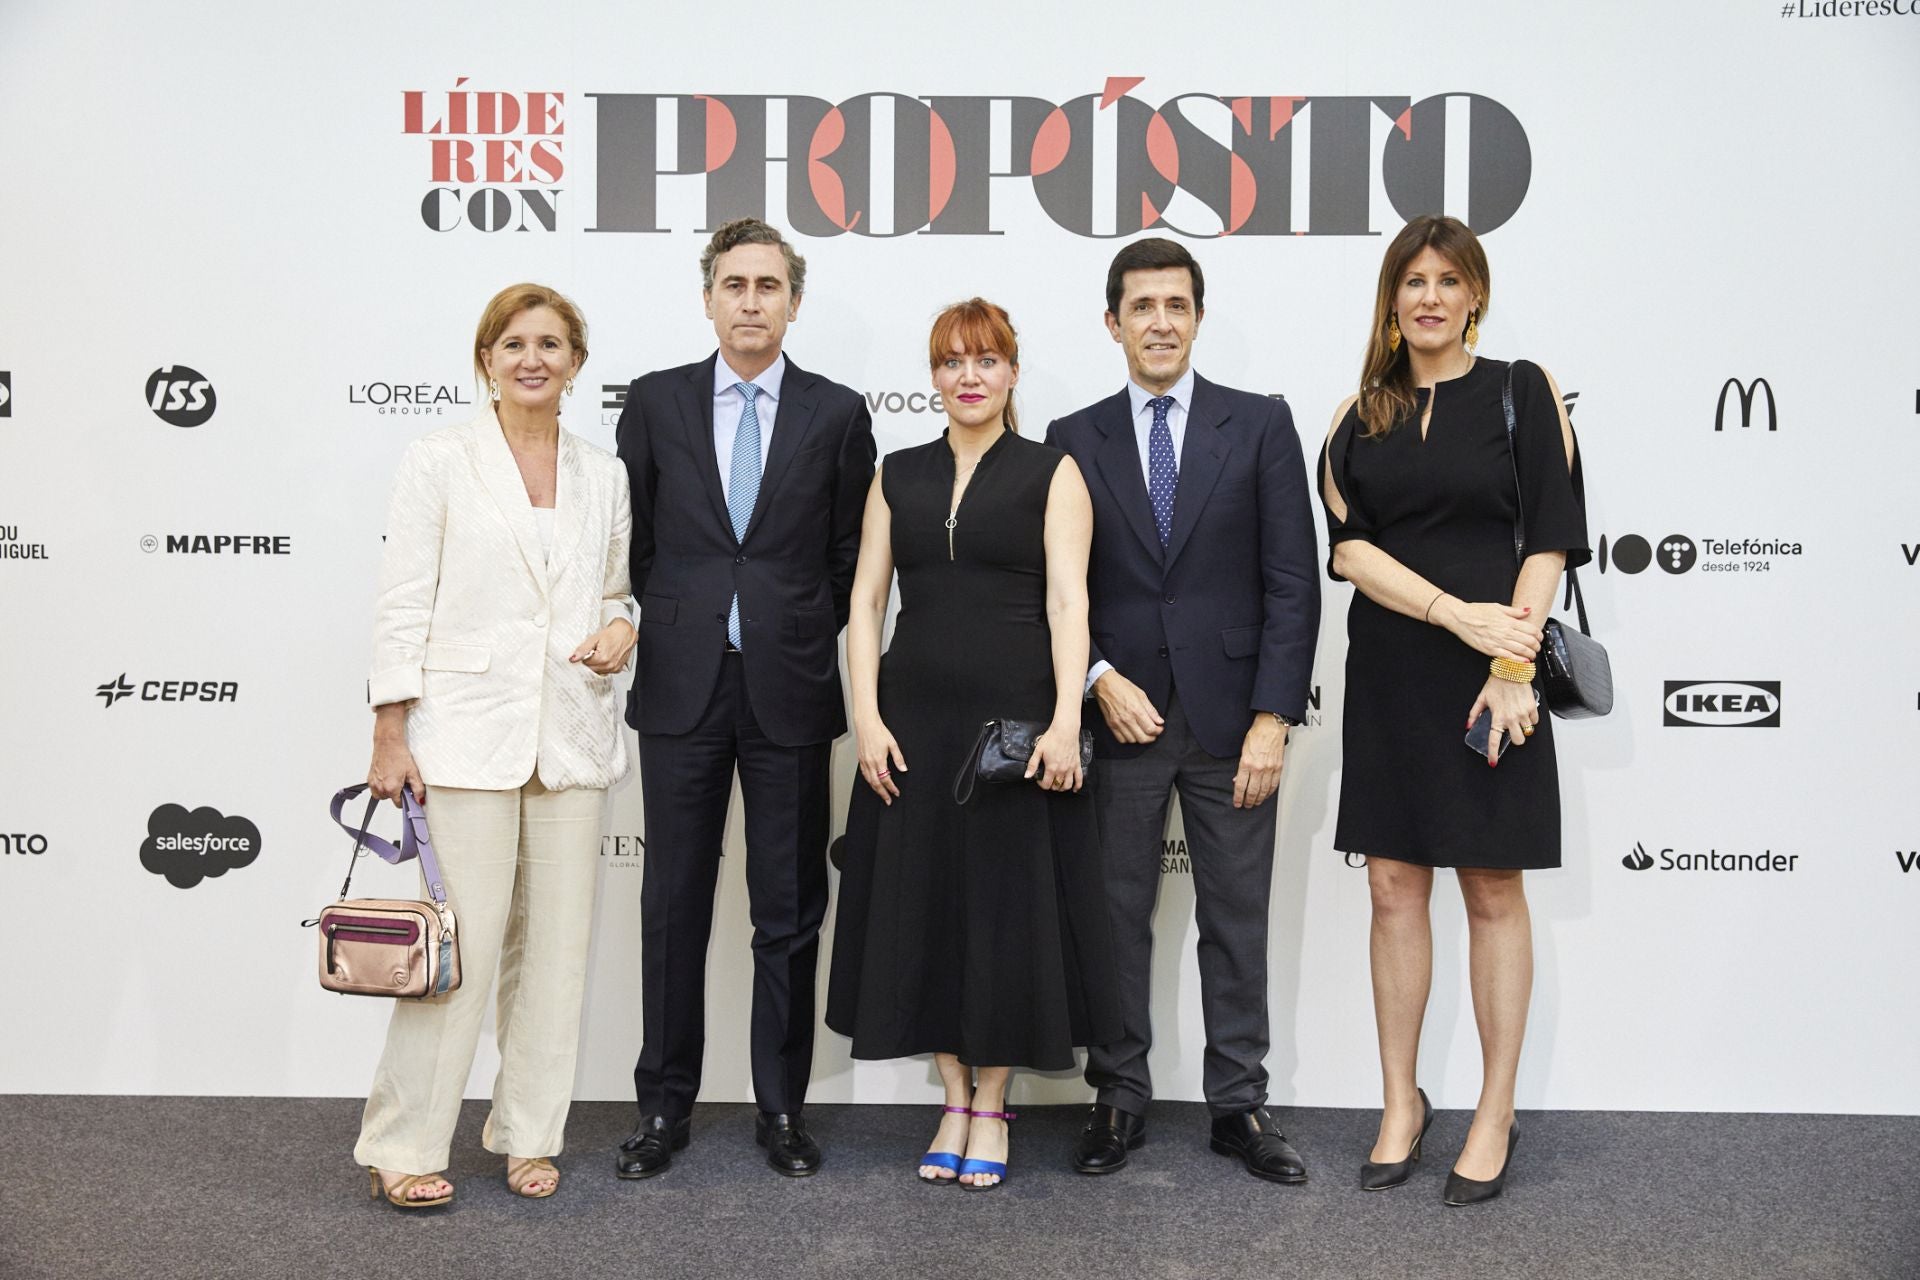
1204	600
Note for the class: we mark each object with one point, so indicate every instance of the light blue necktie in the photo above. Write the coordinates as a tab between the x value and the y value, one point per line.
1162	471
743	485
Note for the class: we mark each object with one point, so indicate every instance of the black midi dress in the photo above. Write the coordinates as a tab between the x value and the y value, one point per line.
1444	506
981	929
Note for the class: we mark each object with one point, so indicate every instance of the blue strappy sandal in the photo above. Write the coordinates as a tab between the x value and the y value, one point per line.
995	1167
943	1159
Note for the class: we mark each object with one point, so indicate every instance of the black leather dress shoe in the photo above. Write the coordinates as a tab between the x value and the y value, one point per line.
650	1149
790	1148
1465	1191
1384	1177
1257	1140
1109	1134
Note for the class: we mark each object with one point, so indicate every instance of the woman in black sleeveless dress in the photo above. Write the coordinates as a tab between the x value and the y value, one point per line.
974	932
1420	489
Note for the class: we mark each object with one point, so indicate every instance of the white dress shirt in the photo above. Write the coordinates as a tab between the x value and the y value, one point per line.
729	404
1182	393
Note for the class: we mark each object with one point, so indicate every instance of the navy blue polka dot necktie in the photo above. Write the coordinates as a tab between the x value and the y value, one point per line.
1163	472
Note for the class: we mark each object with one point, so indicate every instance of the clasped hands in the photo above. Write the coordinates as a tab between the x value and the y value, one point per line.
1132	718
1498	631
1055	764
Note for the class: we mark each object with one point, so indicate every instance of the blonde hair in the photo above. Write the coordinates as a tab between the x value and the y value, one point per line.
510	302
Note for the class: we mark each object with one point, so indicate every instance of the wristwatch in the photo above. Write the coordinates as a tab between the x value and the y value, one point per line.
1286	721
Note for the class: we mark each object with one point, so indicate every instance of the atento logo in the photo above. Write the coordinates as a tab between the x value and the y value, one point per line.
1722	704
1744	393
179	396
187	848
1638	859
24	844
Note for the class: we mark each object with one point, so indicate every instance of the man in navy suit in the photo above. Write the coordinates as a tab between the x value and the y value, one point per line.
1204	608
749	476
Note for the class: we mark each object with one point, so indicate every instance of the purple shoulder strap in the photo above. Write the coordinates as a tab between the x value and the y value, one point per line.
414	841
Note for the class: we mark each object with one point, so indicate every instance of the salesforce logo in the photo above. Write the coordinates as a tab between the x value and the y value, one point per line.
188	847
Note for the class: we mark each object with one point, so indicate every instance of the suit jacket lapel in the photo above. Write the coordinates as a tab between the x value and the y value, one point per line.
696	411
1203	455
501	476
570	504
792	421
1118	459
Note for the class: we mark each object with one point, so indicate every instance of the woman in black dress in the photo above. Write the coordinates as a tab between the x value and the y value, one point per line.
975	932
1420	491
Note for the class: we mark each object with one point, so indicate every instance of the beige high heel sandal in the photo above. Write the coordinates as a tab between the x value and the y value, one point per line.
397	1194
536	1169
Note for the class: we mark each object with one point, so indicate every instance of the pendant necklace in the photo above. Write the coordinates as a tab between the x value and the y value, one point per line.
959	492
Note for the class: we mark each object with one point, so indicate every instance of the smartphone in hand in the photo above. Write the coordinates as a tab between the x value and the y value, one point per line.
1478	735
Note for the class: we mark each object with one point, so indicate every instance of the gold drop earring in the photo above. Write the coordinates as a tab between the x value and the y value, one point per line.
569	386
1393	333
1472	334
493	389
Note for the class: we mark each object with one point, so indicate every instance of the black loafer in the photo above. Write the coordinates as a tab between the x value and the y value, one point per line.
790	1148
650	1149
1109	1134
1257	1140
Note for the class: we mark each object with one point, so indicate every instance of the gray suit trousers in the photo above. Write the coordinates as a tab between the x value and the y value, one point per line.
1232	857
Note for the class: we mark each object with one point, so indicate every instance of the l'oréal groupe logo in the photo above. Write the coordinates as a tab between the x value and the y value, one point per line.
1722	704
409	399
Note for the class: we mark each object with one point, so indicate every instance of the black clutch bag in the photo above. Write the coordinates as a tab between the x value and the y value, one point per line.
1578	676
1001	754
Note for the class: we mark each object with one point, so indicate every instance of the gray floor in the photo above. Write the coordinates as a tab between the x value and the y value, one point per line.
210	1187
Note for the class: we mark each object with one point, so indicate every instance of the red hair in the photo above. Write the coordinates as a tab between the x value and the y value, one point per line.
972	328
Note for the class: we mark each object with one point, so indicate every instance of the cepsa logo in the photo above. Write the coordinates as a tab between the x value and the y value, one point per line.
1198	164
495	159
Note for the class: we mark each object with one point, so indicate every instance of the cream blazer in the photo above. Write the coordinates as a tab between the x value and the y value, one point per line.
474	625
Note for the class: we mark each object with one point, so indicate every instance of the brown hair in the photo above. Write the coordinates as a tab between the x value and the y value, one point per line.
1152	254
510	302
1386	377
972	328
732	235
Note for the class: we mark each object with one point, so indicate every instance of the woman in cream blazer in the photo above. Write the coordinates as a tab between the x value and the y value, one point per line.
503	616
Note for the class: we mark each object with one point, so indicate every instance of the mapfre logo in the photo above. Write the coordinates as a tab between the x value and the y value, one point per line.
1722	704
494	159
180	397
1198	164
188	847
120	688
1745	396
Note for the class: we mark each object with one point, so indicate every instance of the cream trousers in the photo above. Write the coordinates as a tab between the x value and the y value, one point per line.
520	868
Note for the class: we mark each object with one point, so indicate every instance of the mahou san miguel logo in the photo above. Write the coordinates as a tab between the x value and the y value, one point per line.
888	164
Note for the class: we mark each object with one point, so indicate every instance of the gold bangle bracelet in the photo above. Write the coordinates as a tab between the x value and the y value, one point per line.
1508	669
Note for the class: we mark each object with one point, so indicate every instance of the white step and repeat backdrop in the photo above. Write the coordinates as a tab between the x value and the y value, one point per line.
244	248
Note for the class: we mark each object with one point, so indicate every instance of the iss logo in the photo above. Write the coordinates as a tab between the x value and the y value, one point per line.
187	848
180	397
1722	704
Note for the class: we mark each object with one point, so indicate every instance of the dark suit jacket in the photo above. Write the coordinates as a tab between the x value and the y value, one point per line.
793	570
1229	612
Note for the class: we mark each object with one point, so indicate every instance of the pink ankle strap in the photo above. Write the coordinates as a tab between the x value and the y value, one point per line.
995	1115
956	1111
